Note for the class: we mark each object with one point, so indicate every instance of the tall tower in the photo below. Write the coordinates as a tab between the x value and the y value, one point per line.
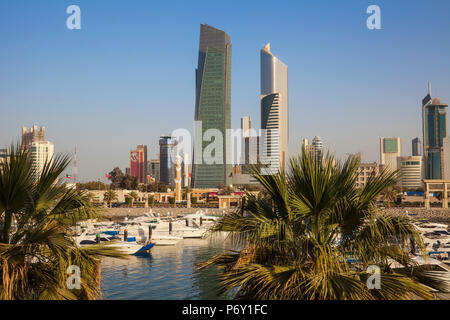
317	147
274	109
34	134
416	147
390	150
186	170
434	126
178	195
138	163
41	152
212	106
167	150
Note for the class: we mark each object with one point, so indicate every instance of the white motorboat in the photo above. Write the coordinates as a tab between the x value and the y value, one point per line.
132	248
110	238
141	231
165	240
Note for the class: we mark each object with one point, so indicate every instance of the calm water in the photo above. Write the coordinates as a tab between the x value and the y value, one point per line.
168	273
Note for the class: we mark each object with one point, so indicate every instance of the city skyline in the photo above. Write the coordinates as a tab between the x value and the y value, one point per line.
63	89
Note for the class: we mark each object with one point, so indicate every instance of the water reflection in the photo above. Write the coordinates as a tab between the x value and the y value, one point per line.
169	273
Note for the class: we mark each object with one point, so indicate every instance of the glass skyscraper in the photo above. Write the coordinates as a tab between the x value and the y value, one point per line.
212	106
167	150
416	147
434	117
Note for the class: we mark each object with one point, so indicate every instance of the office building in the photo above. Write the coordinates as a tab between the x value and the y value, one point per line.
411	172
241	177
446	157
317	148
250	144
365	171
212	107
34	134
40	152
138	163
434	125
167	154
246	126
390	150
306	146
416	147
274	110
153	169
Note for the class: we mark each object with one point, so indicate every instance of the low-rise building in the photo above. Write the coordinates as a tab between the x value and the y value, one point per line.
365	171
241	176
411	171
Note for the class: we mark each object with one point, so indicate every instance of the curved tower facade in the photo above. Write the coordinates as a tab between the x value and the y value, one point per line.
274	109
212	106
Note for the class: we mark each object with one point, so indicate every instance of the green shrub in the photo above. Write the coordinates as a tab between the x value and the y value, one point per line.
151	200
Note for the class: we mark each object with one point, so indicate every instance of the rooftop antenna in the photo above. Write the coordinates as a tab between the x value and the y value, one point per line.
429	88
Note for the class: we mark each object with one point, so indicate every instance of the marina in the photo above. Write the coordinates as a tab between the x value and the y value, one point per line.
168	273
140	234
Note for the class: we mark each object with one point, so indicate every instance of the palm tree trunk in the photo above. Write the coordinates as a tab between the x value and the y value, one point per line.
7	226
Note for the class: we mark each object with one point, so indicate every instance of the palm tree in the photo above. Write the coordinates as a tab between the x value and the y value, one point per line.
186	190
390	195
110	196
134	196
313	235
36	247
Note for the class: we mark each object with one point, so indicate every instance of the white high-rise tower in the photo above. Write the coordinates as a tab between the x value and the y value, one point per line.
274	109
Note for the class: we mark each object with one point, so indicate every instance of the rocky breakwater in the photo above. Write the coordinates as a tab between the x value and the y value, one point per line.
436	215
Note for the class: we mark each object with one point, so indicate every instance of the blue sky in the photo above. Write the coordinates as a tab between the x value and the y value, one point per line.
128	75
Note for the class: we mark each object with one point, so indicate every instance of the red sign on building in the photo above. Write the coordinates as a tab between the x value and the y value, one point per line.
138	163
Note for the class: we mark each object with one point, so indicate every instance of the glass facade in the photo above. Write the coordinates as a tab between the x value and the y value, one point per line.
434	131
390	145
167	150
213	105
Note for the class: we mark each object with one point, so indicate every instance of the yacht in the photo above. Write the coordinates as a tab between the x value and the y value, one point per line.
131	246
